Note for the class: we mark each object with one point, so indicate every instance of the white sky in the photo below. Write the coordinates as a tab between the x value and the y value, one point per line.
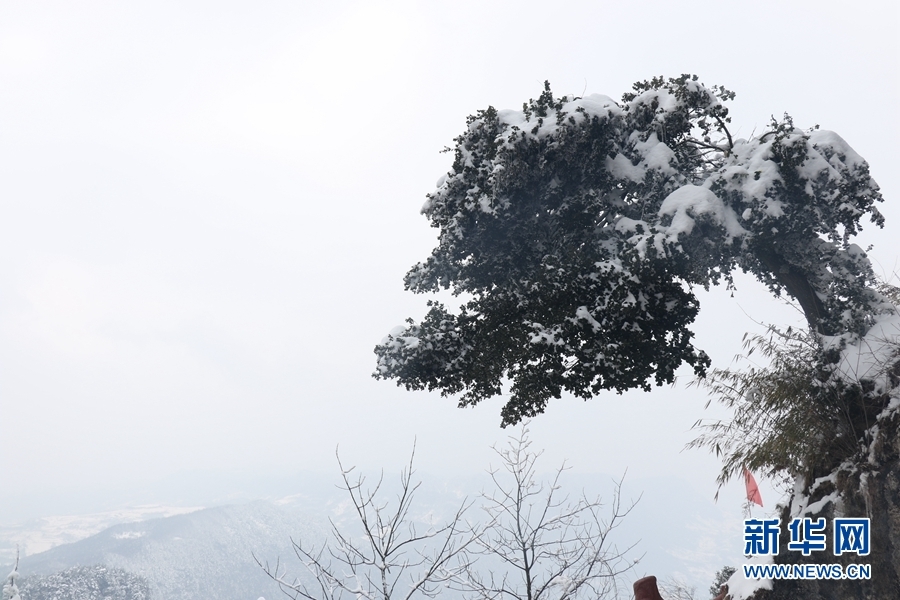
208	208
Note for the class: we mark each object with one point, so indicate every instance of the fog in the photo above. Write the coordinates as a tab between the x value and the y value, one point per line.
208	209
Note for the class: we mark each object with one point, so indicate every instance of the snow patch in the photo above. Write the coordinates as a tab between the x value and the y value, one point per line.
823	137
517	123
691	201
870	357
740	588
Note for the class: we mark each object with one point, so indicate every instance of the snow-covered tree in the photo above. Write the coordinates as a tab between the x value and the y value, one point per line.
580	226
577	229
97	582
10	588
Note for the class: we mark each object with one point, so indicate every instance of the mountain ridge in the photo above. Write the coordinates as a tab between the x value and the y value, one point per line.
207	554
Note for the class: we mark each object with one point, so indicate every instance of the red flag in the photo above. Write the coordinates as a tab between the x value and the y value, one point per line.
753	494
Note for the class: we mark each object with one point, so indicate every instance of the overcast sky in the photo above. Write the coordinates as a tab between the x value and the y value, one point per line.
208	208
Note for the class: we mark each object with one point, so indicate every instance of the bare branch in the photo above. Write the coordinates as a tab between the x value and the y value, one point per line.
390	558
551	547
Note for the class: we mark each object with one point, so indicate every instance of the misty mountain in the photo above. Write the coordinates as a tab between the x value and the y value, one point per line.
209	553
203	555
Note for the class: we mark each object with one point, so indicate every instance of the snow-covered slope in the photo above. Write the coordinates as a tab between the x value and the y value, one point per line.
202	555
39	535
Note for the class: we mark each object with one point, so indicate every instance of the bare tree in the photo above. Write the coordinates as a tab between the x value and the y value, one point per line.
393	558
535	544
545	546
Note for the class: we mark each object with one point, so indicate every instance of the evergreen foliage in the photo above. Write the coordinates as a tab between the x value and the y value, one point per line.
722	576
578	228
779	419
793	413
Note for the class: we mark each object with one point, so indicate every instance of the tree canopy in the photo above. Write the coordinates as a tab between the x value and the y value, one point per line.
578	228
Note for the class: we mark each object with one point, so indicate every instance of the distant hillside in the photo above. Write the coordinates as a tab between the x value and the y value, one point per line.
40	534
203	555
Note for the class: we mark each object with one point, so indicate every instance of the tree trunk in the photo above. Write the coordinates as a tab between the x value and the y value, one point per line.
797	285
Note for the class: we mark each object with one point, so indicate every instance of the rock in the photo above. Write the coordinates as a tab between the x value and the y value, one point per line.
645	589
